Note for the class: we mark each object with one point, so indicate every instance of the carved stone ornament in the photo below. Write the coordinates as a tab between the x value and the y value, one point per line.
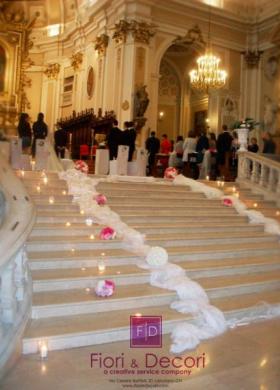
121	31
76	60
142	32
125	105
101	44
193	35
52	71
17	29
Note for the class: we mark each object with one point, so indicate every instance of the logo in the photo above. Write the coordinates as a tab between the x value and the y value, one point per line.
145	331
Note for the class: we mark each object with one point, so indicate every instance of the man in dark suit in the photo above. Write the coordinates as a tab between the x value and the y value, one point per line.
224	142
152	146
114	140
40	131
129	138
60	139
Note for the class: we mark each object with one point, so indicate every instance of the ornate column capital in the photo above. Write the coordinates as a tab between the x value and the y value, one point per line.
76	60
142	32
52	71
101	44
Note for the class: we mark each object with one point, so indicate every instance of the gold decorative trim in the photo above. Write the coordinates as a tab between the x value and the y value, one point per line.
142	32
76	60
52	71
101	44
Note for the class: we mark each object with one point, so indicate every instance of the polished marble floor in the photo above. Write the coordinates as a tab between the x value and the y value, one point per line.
247	357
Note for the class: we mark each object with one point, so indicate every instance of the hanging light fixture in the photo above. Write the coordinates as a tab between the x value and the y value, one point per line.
208	75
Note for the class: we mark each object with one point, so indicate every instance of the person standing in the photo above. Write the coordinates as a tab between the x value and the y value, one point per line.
40	131
269	146
152	146
165	145
189	145
60	139
224	142
253	146
24	131
113	140
129	138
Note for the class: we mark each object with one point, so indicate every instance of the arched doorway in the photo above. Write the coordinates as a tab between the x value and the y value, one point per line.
180	108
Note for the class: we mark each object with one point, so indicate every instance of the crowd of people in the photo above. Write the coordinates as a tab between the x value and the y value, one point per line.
198	147
201	148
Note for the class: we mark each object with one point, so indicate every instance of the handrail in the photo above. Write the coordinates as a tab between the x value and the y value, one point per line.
261	173
15	281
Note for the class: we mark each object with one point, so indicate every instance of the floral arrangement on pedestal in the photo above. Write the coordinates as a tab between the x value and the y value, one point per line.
249	123
105	288
81	166
100	199
170	173
107	233
227	202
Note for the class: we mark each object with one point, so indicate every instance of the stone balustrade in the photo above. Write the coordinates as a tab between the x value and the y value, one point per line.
261	173
18	216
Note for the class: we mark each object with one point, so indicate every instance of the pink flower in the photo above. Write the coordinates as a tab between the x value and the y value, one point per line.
81	166
227	202
105	288
101	199
170	173
107	233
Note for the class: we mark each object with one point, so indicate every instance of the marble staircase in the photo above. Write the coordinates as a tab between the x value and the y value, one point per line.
236	262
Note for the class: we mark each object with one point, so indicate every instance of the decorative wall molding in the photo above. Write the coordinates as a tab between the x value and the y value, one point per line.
52	71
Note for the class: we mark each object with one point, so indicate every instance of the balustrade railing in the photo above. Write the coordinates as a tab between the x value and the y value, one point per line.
261	172
18	216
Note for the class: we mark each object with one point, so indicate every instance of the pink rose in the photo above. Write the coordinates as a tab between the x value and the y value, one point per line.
105	288
170	173
107	233
101	199
227	202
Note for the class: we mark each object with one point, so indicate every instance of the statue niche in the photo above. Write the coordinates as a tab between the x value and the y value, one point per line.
141	102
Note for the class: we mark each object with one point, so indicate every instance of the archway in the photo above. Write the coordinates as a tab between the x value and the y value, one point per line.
179	108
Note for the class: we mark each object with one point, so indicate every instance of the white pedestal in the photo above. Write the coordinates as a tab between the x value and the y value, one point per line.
42	155
141	160
16	151
243	139
132	168
122	160
25	162
101	162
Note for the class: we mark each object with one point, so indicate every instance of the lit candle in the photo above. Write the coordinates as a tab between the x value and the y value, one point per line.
233	189
63	192
277	213
22	173
207	178
222	183
32	165
101	267
51	200
255	205
91	237
38	189
43	349
82	212
218	183
45	180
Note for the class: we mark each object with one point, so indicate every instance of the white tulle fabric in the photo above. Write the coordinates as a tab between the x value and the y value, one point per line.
206	321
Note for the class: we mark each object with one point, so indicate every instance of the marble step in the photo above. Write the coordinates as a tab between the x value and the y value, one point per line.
65	279
44	198
152	195
62	184
84	301
33	175
58	243
79	229
175	212
90	258
98	328
142	187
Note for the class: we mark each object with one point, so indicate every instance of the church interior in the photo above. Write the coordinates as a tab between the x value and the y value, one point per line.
139	194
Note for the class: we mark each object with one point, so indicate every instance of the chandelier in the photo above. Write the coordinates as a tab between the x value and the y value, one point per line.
208	75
